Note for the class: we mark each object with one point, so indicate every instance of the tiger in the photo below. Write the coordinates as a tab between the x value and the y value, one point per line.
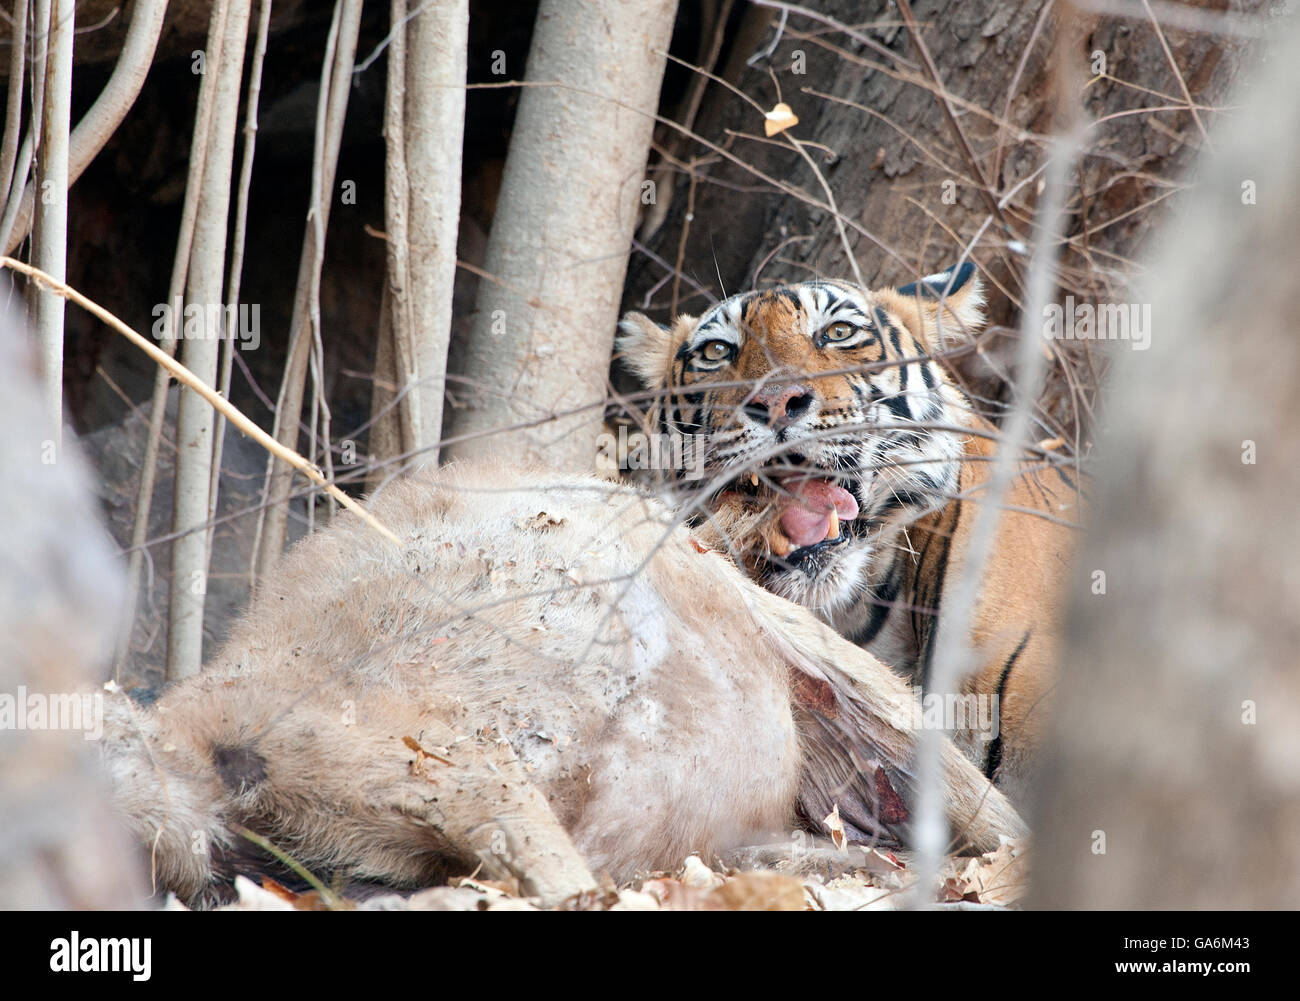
841	466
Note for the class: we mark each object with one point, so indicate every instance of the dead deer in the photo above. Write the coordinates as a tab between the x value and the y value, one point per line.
547	680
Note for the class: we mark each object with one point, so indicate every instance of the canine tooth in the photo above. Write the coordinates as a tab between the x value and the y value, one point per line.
753	479
779	544
834	531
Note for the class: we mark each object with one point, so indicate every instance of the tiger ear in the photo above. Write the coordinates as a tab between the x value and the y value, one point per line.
647	348
946	309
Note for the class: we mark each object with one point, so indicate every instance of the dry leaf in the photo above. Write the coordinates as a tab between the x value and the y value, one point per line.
779	119
836	828
451	898
697	875
886	861
673	896
490	887
284	893
760	891
848	894
417	766
541	520
635	900
593	900
251	897
746	891
309	900
1000	877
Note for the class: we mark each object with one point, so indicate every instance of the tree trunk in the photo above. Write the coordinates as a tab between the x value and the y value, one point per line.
106	114
172	330
910	195
538	352
50	246
195	418
1174	781
424	127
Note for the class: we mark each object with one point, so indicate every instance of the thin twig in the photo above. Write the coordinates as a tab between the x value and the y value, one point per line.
951	659
186	595
186	377
854	34
331	899
336	85
1178	75
972	161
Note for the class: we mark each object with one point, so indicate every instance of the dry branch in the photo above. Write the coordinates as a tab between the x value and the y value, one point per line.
237	248
188	378
336	82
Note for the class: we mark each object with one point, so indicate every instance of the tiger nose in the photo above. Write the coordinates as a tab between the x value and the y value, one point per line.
779	406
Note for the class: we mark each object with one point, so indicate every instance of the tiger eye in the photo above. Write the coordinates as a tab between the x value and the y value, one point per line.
715	350
840	331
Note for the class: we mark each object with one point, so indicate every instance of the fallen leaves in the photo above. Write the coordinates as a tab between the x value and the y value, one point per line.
779	119
761	891
1000	877
270	896
870	879
699	888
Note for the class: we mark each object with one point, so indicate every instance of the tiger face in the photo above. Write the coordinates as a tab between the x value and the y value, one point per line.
827	423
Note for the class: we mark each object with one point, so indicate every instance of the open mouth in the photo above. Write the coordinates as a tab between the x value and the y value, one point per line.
812	510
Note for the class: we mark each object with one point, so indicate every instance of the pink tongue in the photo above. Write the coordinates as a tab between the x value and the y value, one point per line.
808	518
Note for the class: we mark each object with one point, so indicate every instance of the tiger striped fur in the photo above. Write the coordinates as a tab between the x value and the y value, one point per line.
841	462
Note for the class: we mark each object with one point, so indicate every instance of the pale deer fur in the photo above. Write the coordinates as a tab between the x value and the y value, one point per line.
596	692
